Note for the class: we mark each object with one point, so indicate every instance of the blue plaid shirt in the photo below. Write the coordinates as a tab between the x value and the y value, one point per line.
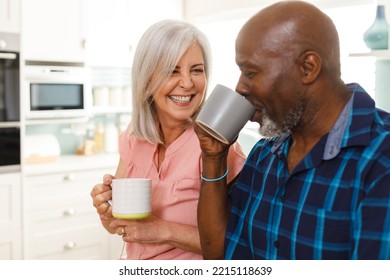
334	205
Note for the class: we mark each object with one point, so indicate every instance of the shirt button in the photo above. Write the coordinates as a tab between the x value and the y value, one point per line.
282	198
276	243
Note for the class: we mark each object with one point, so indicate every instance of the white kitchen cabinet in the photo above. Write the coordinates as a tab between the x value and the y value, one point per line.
113	27
10	216
101	32
60	221
10	16
53	30
109	36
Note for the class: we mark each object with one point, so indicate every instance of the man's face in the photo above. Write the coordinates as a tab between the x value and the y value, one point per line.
270	81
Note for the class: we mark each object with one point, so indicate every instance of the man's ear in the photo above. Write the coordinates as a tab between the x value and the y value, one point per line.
310	66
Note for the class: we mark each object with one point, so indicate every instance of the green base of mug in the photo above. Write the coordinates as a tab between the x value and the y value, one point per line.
131	216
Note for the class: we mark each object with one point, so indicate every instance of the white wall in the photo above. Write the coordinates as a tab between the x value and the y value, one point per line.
222	19
195	10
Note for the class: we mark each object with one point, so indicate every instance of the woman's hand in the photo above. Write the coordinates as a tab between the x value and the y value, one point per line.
100	194
154	230
150	230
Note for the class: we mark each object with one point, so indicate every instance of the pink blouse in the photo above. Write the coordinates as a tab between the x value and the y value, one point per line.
175	186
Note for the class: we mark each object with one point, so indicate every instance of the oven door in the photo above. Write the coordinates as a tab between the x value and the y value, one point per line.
9	87
9	148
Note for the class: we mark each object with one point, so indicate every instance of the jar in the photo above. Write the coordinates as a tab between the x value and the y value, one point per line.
116	96
101	96
111	138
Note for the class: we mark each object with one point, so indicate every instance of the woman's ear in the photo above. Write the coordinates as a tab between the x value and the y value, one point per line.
310	66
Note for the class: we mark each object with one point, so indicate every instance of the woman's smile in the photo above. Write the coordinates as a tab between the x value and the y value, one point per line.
180	99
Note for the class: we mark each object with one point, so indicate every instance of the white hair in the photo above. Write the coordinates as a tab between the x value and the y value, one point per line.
157	54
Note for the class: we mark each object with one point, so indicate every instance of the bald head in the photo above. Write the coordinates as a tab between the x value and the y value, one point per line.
292	26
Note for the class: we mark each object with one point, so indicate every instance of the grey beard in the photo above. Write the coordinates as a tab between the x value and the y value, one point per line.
269	128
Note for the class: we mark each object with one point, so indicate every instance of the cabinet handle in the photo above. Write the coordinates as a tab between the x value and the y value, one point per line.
84	44
7	55
3	44
69	177
70	245
69	212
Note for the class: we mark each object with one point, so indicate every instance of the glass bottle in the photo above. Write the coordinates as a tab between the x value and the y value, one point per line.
99	138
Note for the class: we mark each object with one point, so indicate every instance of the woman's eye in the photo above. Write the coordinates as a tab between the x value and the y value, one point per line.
195	71
198	70
175	71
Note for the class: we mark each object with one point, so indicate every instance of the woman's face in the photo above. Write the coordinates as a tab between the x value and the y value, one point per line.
181	95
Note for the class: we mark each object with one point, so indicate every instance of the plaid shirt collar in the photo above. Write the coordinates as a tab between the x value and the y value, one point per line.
348	130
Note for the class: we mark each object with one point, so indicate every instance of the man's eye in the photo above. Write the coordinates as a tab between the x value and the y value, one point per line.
248	75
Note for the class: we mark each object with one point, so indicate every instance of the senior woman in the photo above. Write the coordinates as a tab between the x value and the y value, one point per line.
170	73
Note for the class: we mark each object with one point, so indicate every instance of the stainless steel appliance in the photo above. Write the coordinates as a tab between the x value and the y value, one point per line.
57	91
9	102
9	77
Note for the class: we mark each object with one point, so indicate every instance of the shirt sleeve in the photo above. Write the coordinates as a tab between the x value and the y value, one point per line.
371	226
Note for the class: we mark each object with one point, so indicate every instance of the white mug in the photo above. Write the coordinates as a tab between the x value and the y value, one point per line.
131	198
224	114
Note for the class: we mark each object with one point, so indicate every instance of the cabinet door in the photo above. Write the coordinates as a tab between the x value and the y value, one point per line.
53	30
9	16
64	234
113	27
109	37
10	211
60	220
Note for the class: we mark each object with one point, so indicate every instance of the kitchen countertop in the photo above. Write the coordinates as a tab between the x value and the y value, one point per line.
69	163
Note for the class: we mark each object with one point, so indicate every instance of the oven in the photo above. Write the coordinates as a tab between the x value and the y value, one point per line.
9	148
9	78
9	102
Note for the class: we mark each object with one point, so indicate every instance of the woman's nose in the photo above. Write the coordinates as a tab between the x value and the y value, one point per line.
186	81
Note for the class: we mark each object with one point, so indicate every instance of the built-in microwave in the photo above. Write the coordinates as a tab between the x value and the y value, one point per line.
57	91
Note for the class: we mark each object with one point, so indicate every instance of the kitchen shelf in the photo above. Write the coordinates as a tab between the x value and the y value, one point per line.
96	110
68	163
378	54
57	121
9	124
